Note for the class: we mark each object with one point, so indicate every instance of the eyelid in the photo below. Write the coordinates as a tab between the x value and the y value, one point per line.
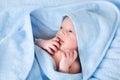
61	27
70	31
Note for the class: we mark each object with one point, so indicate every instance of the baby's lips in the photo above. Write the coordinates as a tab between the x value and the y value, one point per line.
60	40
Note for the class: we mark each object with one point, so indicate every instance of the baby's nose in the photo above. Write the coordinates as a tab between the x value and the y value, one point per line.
63	32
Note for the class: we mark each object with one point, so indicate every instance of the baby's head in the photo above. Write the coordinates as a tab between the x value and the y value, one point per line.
67	35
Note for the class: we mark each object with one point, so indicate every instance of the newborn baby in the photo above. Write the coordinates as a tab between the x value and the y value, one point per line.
63	48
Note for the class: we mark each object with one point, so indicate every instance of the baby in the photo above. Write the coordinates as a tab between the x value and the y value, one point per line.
63	48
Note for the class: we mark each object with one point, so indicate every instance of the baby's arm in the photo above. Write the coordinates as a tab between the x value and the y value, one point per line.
67	60
51	45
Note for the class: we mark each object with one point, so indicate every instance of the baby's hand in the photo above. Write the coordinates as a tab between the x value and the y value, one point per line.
67	59
51	45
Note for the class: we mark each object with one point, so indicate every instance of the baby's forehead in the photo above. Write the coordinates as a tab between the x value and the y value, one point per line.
67	18
67	24
67	21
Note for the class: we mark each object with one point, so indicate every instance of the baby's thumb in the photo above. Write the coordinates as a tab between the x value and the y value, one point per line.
75	54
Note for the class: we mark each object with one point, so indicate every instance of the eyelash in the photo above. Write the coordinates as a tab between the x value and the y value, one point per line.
70	31
61	27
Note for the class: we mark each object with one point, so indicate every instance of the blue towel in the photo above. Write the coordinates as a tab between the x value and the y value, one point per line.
98	35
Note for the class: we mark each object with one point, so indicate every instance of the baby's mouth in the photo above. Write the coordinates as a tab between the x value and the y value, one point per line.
60	40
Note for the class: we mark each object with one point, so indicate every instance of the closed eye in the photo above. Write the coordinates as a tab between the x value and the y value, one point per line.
61	27
70	31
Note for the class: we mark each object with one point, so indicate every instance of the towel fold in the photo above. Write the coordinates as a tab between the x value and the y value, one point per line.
98	34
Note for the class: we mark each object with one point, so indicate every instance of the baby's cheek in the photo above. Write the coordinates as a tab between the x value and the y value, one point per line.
72	45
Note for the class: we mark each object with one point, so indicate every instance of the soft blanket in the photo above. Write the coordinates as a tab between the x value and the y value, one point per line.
98	35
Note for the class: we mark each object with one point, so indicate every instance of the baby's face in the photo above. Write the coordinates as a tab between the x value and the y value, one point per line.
67	35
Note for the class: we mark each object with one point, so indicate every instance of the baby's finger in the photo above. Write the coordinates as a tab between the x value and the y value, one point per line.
67	54
71	54
75	54
49	50
56	39
63	56
56	44
54	48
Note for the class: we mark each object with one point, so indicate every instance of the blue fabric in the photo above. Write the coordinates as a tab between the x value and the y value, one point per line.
98	38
